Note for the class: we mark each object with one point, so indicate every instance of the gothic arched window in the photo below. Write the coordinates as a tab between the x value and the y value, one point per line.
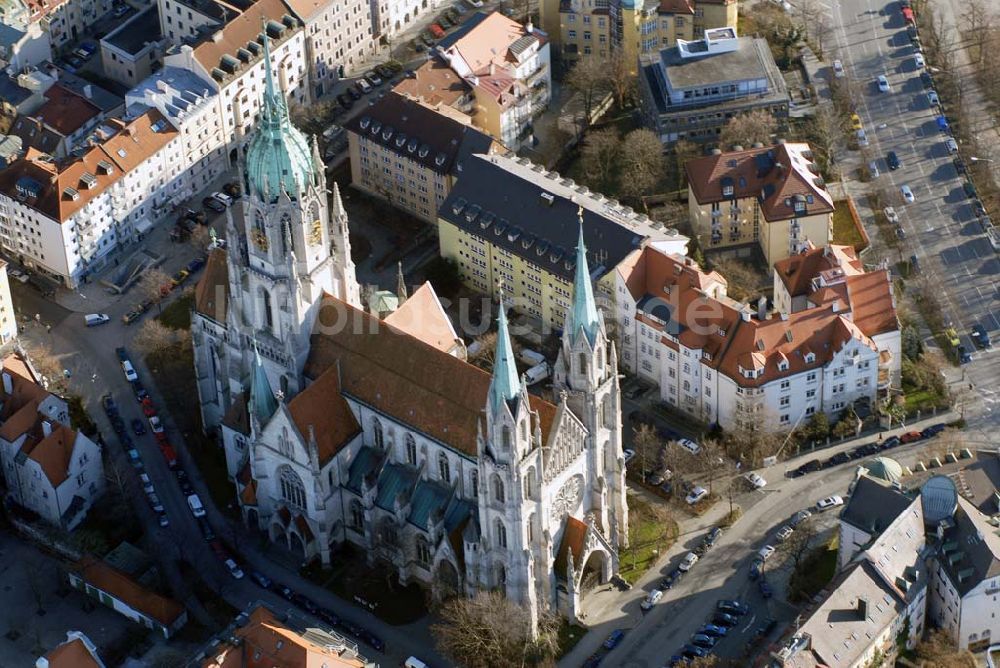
377	436
600	359
259	231
582	361
505	438
606	410
316	225
498	493
411	450
286	235
357	516
293	492
529	484
265	308
423	551
501	534
444	468
474	483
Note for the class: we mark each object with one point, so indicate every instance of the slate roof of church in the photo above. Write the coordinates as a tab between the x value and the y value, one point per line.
400	376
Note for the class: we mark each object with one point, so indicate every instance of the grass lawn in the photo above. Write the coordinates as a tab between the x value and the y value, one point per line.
814	573
371	587
569	636
648	539
844	230
177	315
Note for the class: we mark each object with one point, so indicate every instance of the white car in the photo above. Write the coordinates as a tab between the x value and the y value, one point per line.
933	98
689	560
829	502
155	425
784	532
129	371
862	137
883	84
223	197
765	552
755	480
838	69
918	60
689	445
18	275
907	194
951	145
629	454
891	215
696	495
873	169
147	485
651	600
234	570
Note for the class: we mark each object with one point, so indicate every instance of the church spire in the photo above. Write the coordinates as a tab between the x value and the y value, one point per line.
400	284
275	109
263	403
505	385
584	312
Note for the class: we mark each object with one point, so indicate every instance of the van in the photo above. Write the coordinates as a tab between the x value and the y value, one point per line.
537	373
530	357
414	662
194	503
95	319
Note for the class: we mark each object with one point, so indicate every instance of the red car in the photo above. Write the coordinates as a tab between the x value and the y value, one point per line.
436	30
148	410
911	437
168	454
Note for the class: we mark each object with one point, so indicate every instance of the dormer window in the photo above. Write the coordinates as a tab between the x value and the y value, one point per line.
800	206
727	191
783	365
810	358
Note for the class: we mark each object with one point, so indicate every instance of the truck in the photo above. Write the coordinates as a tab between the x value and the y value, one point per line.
537	373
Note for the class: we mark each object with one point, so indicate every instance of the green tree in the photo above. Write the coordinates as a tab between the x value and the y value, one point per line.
818	427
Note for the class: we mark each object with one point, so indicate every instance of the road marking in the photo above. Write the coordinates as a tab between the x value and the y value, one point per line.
750	623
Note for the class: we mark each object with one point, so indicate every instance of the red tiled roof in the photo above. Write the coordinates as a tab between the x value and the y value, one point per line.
211	295
675	7
798	271
322	407
54	452
72	654
776	176
572	541
120	586
64	111
873	307
423	317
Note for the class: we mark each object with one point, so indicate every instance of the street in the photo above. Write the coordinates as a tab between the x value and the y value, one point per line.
941	227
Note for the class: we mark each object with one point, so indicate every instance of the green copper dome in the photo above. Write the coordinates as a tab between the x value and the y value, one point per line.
279	158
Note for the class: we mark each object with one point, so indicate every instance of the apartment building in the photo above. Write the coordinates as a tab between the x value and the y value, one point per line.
48	467
77	651
492	70
129	53
409	155
60	124
284	638
771	197
192	107
390	17
65	21
691	90
726	363
338	38
230	61
600	27
121	593
510	222
62	219
22	46
8	317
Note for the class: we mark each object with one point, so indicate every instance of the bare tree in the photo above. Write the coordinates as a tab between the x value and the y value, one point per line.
485	355
754	127
201	238
684	151
621	76
587	77
48	365
489	630
648	447
742	281
151	285
153	337
710	461
797	546
600	153
938	650
642	163
977	24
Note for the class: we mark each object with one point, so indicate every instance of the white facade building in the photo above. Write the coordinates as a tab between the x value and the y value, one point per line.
8	317
64	21
64	220
192	107
338	38
231	62
48	467
722	362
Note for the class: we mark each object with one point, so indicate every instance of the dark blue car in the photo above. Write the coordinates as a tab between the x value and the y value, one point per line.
613	639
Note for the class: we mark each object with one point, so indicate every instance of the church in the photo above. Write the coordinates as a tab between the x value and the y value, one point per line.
343	427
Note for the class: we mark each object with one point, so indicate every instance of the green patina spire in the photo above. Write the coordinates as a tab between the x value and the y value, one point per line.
505	384
263	403
279	157
584	313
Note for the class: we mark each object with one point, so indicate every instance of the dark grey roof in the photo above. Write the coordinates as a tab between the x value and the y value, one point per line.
11	92
491	202
133	36
522	44
873	505
464	29
105	100
970	549
662	310
419	133
752	60
980	482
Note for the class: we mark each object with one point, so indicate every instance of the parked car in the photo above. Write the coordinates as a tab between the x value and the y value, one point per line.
712	536
689	445
206	529
628	454
829	502
690	651
261	579
373	78
932	97
131	317
95	319
951	145
147	484
155	424
756	568
613	639
704	640
696	495
980	336
765	588
120	11
732	607
918	59
907	193
213	204
964	356
138	427
799	517
942	123
345	100
163	520
671	579
234	569
838	69
893	160
755	480
363	86
724	619
689	560
911	437
784	533
652	599
232	189
195	264
959	164
890	442
855	121
129	371
862	137
883	84
934	430
140	391
713	630
765	552
891	215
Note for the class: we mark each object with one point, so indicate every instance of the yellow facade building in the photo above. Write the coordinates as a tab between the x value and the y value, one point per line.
596	27
772	196
508	221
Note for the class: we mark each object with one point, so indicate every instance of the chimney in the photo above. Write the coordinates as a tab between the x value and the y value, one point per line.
745	315
88	91
862	607
46	427
8	383
835	306
762	308
529	27
784	316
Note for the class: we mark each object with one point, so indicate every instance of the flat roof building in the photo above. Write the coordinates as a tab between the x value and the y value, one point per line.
690	91
129	52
